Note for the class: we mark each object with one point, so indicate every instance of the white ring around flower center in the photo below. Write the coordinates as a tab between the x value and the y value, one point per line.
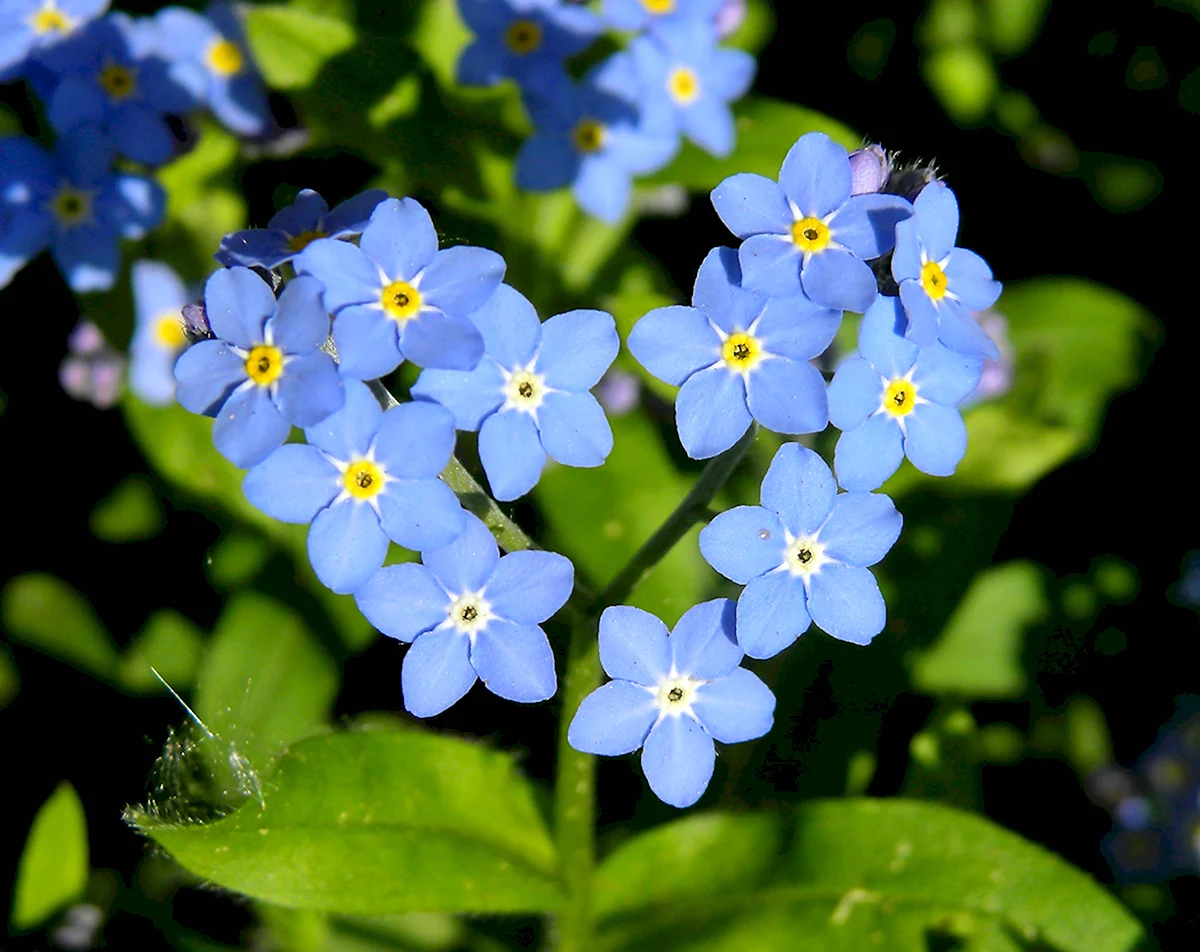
804	556
469	613
675	694
524	390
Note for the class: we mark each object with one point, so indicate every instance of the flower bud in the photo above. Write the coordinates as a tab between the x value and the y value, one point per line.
729	18
195	323
869	169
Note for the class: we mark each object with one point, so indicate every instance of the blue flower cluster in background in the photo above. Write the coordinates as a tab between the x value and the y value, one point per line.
626	116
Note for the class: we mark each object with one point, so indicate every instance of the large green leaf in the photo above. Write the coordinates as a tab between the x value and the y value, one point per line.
291	45
130	513
379	823
46	613
54	864
852	875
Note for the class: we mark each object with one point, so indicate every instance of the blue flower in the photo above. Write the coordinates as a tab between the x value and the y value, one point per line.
109	76
739	356
28	26
642	15
593	142
527	40
941	284
802	556
158	335
209	57
364	477
396	297
896	400
529	395
470	614
73	203
294	228
672	695
808	230
263	371
684	75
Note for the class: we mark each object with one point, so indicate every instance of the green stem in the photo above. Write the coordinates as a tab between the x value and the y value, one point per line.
475	499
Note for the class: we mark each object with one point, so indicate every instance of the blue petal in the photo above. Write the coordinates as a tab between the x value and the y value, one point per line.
420	513
730	73
970	279
838	279
466	564
240	104
719	293
854	393
816	175
800	487
923	317
709	123
602	187
771	264
447	341
788	396
139	132
577	348
237	303
23	236
367	342
346	545
401	238
634	646
959	331
351	216
703	643
613	720
133	205
946	377
89	257
735	708
510	327
937	219
511	452
415	440
674	342
75	100
795	327
461	279
751	204
844	601
310	389
711	412
528	587
348	433
772	612
642	151
480	64
861	529
156	289
906	258
403	601
868	454
626	15
881	340
206	374
300	324
249	426
348	275
678	760
468	394
515	662
574	429
866	224
743	543
935	439
437	672
293	484
304	214
150	372
546	161
254	248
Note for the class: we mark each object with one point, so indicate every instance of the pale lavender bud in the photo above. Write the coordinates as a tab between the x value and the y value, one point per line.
85	339
618	392
92	371
996	379
729	17
869	169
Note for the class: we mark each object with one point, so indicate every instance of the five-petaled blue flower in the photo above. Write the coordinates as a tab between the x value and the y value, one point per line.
802	555
527	40
529	395
941	284
294	228
672	695
158	335
365	476
739	355
27	26
808	230
396	296
74	203
896	400
470	614
642	15
264	370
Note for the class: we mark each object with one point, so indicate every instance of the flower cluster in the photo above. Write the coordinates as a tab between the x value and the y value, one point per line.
626	116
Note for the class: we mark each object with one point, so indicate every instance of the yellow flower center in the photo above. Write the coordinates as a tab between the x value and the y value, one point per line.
363	479
810	235
588	136
224	57
168	331
900	397
523	36
683	85
659	7
264	364
675	695
298	243
741	352
71	206
117	81
401	301
804	556
933	280
49	19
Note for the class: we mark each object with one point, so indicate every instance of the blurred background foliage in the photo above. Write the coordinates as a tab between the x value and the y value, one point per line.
1042	619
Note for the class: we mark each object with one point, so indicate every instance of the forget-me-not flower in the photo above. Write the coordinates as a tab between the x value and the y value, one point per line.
470	614
396	297
527	40
642	15
263	371
294	228
803	556
159	297
940	284
808	230
364	477
739	356
672	695
529	395
27	26
897	400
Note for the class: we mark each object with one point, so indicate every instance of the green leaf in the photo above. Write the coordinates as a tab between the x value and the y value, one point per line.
46	613
1014	24
54	864
10	678
380	823
290	45
978	654
169	643
130	513
964	80
853	875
